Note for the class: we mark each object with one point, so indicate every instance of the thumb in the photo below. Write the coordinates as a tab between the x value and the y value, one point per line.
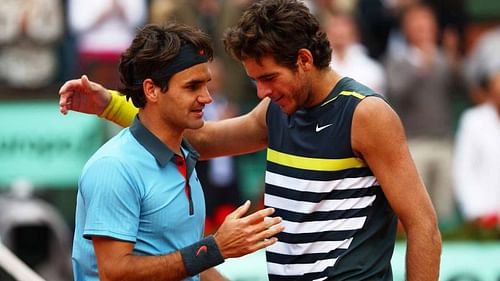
240	211
87	84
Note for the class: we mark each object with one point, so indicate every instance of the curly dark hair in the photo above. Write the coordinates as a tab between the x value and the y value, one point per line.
278	28
152	49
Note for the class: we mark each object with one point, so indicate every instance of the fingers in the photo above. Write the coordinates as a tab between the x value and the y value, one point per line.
70	91
268	228
265	238
263	244
264	229
65	101
240	211
66	87
239	236
259	215
63	108
65	95
260	224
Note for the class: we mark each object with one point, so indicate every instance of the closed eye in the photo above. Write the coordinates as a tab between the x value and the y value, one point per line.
267	78
194	85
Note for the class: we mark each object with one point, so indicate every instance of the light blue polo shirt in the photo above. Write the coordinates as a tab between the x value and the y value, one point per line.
131	190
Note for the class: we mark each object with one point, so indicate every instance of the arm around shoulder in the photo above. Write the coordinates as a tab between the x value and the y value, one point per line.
233	136
85	96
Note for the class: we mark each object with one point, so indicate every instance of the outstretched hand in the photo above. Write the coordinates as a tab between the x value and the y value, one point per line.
238	235
84	96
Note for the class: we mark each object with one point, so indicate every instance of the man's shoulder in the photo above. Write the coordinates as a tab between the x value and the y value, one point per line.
116	149
351	87
373	105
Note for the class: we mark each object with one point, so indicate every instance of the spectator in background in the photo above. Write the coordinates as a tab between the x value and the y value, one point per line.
477	158
219	175
380	28
238	88
420	81
452	17
376	19
481	61
29	36
349	57
322	9
200	13
103	29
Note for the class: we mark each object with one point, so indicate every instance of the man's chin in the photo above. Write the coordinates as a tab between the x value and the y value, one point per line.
288	109
197	126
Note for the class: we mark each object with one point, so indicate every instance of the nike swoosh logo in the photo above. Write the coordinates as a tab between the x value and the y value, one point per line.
202	248
319	129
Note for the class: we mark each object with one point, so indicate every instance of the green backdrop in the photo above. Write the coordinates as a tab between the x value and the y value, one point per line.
39	144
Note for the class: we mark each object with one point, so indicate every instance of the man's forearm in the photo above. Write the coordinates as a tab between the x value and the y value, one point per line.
136	268
423	255
116	261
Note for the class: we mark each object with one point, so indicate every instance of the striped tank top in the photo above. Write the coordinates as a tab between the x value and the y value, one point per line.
338	223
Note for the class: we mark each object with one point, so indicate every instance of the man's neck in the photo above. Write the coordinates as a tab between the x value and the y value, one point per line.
171	137
323	84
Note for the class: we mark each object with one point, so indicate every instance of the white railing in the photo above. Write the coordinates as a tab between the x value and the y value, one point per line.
16	267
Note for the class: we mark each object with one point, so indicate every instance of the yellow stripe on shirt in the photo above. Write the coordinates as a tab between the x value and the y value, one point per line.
313	164
344	93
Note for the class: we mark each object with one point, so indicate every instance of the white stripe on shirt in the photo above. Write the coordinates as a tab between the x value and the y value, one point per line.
319	186
323	206
319	247
300	268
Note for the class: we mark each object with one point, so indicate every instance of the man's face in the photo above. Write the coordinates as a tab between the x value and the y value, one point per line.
420	27
341	32
285	87
182	105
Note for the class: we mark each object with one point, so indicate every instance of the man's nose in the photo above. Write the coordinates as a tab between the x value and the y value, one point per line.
263	91
205	98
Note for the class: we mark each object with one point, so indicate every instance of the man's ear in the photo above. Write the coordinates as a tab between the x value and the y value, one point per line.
305	59
149	89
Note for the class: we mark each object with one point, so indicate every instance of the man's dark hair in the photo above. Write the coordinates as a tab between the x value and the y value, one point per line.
153	50
278	28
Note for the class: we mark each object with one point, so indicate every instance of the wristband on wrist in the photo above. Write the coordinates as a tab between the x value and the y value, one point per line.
201	256
119	110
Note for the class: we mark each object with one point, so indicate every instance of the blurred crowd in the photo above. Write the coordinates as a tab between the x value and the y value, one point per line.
436	65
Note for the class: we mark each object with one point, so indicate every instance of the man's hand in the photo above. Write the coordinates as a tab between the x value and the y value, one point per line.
238	235
84	96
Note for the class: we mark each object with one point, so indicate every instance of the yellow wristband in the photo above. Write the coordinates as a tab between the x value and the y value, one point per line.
119	110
